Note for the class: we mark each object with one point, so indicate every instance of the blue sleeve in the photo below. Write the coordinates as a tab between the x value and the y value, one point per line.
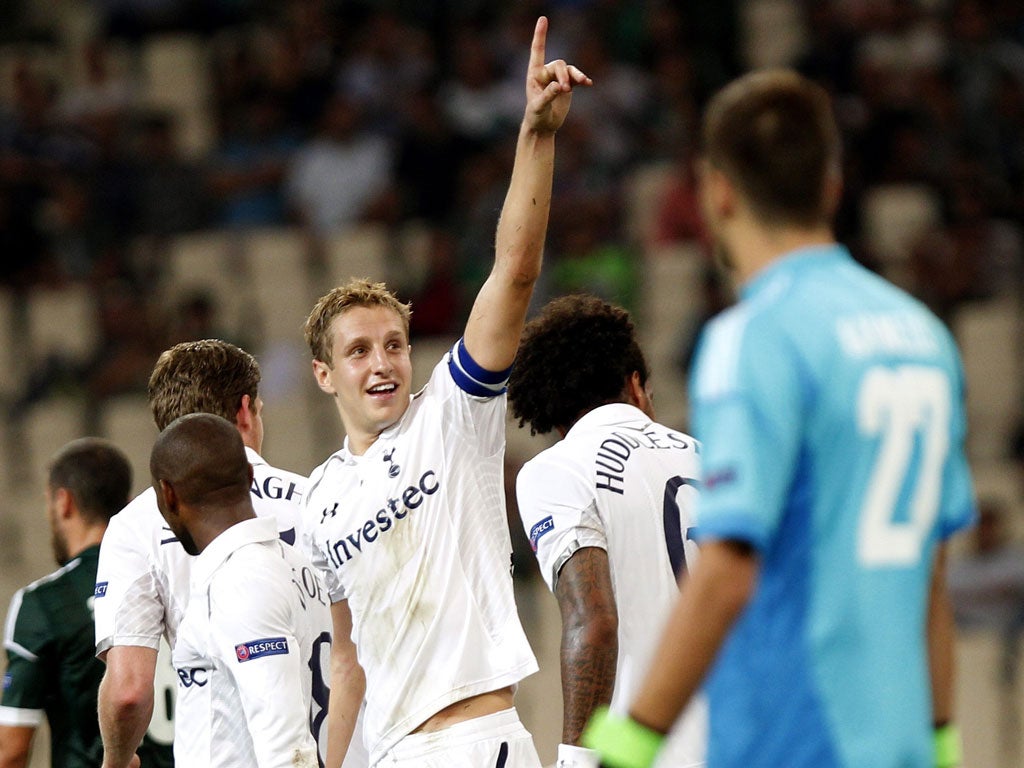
747	412
957	505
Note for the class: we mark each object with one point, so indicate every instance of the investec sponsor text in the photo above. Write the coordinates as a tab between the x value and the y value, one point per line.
394	510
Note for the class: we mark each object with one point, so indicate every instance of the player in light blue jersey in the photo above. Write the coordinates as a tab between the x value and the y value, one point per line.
830	408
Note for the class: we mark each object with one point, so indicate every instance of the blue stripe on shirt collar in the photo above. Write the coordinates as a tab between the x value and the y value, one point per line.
471	377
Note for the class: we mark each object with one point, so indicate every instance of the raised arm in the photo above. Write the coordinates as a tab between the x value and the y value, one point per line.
496	321
590	638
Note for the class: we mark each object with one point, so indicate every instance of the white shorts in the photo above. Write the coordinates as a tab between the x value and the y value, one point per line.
491	741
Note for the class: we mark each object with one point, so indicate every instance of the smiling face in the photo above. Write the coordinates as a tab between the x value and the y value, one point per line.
370	372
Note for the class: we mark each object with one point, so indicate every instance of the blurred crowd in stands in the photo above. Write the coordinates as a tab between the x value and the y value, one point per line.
324	114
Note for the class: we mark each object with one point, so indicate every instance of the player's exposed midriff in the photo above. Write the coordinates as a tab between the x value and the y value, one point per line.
475	706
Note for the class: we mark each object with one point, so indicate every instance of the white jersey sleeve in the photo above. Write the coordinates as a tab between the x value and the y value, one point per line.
312	516
260	650
129	609
558	509
483	413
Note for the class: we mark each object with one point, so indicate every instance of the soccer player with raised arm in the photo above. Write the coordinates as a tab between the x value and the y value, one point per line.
254	642
608	510
52	669
829	404
143	574
408	518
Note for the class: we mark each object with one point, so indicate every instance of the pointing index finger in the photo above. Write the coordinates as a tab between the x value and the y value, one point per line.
540	35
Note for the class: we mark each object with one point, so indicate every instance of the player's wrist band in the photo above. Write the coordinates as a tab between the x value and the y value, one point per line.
622	742
949	750
571	756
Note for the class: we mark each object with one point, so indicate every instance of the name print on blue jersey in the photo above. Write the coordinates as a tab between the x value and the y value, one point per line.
394	509
614	452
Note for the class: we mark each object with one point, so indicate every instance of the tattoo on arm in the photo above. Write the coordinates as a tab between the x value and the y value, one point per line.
590	643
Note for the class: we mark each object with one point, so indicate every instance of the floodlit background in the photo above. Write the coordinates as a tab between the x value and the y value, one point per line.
176	169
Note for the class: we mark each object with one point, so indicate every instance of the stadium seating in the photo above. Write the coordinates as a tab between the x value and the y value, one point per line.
212	262
990	334
277	261
773	34
12	355
176	78
644	190
357	252
46	427
894	217
671	306
62	321
127	421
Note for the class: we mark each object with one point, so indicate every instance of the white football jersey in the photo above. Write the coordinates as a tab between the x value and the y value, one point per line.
413	534
142	581
253	655
627	485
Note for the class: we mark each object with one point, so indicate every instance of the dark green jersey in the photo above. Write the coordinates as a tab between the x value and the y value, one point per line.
52	668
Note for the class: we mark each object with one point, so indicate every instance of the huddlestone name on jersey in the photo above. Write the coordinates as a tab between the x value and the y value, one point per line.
615	451
394	510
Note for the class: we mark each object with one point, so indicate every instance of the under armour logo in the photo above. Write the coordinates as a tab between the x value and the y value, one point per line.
329	512
394	469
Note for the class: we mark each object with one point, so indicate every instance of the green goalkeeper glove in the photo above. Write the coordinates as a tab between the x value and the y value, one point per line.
621	741
949	751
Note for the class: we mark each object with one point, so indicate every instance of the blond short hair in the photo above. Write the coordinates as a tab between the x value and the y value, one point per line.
357	292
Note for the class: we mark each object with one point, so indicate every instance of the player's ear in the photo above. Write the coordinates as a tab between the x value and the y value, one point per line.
639	395
322	374
833	192
63	502
719	195
244	414
168	501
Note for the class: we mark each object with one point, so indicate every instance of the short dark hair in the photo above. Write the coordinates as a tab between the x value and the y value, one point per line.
208	376
96	473
773	133
575	355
